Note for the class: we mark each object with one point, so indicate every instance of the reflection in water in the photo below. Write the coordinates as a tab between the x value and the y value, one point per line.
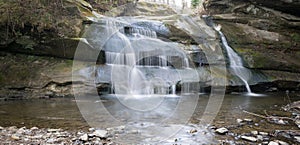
56	113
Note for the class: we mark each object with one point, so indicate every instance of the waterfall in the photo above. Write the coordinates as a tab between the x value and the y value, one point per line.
140	31
236	63
139	62
186	62
173	89
137	83
120	58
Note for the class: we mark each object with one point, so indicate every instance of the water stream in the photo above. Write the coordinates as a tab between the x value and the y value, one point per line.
235	62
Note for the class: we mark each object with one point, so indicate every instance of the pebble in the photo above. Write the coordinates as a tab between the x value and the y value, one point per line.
222	130
273	143
248	120
51	140
100	133
254	132
21	131
265	143
91	129
37	136
193	131
249	138
84	137
260	138
12	128
297	122
281	122
1	128
15	137
282	142
34	128
263	133
54	130
285	135
212	127
297	138
239	121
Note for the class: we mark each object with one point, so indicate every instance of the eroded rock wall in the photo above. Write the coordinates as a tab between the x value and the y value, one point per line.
265	33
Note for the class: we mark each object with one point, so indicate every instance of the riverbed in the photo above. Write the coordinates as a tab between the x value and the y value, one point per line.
63	113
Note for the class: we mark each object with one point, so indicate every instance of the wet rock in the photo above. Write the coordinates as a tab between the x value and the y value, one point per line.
285	135
281	122
21	130
15	137
37	136
193	131
282	142
265	143
1	128
260	137
91	129
248	120
12	128
239	121
53	130
34	128
273	143
249	138
222	130
51	140
212	127
100	133
254	132
297	122
263	133
84	137
297	138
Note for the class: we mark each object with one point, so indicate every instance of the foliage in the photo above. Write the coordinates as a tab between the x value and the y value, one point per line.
195	3
295	37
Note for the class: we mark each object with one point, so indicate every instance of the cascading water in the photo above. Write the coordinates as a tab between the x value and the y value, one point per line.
142	64
236	63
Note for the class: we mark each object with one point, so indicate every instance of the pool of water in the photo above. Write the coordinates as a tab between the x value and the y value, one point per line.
64	113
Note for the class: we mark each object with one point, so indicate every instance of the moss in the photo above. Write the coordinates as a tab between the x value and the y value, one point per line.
295	37
64	66
260	61
1	78
255	59
27	42
233	33
25	73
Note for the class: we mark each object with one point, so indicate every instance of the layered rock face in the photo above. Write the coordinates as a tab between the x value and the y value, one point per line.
43	28
50	28
265	33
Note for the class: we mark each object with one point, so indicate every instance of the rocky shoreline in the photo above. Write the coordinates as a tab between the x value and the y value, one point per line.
228	135
223	135
35	135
